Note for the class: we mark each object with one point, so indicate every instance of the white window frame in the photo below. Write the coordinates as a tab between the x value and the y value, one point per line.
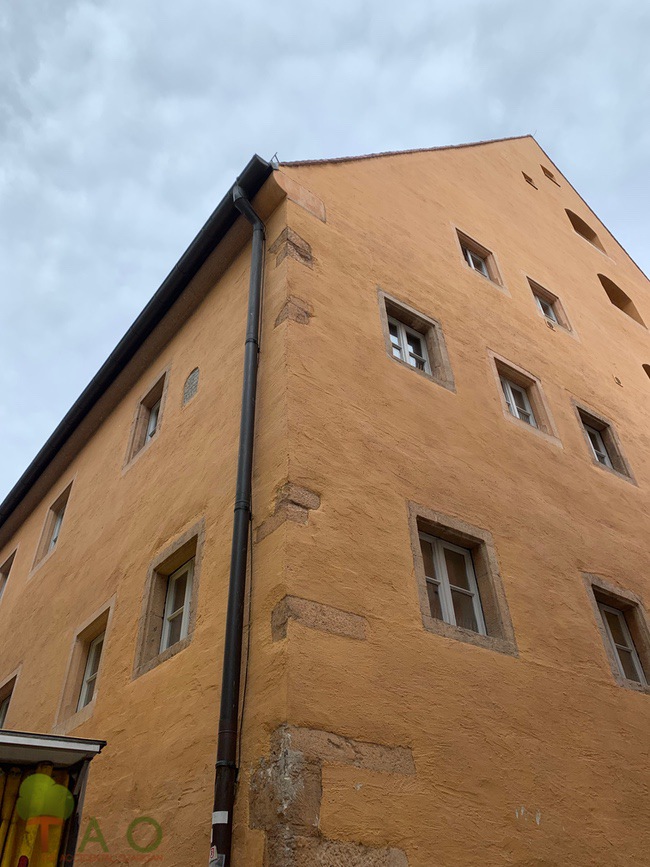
472	258
4	707
405	352
544	303
601	454
184	611
441	580
509	388
152	421
56	528
90	677
629	648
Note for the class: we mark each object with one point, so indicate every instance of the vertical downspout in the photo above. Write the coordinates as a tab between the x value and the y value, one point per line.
226	767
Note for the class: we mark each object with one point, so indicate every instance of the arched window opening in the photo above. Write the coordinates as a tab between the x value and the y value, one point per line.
191	386
584	230
620	299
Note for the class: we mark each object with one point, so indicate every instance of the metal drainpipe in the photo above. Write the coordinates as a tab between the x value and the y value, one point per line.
226	767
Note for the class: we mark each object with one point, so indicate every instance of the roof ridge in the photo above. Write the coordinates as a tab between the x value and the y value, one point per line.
409	151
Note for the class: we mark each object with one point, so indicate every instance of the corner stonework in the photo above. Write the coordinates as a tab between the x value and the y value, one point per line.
292	503
286	792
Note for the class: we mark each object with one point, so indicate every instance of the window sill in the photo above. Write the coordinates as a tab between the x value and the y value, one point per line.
42	562
162	657
457	633
76	719
145	448
489	280
450	386
627	477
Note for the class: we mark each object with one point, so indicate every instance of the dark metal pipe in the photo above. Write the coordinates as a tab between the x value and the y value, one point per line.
226	767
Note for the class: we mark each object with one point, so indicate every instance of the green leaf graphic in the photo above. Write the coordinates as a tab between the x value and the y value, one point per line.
41	796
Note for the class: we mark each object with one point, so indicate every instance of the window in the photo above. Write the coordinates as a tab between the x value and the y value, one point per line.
620	299
177	605
549	174
5	569
6	691
479	258
623	627
458	582
522	397
517	401
549	305
415	340
191	386
169	602
408	345
147	419
53	526
584	230
91	671
529	180
451	584
621	641
602	441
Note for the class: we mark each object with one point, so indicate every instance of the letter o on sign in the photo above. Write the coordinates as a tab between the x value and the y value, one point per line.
142	821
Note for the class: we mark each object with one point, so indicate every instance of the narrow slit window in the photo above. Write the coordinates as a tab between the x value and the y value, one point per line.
452	590
529	180
148	417
177	606
53	525
5	569
518	402
625	652
408	345
6	693
91	671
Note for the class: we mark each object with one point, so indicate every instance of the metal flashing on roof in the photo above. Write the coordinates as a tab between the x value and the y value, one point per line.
31	748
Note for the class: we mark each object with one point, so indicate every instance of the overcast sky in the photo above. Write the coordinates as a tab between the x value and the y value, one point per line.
123	123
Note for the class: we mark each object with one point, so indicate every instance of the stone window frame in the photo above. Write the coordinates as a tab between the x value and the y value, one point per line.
466	242
532	385
7	689
138	443
187	546
5	570
561	319
600	590
59	507
68	717
620	465
496	613
431	331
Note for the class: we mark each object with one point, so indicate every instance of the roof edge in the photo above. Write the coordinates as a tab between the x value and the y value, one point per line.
375	156
209	236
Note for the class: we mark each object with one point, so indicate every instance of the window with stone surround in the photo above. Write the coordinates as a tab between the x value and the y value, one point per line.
549	305
623	626
521	395
415	340
458	581
602	441
148	417
169	604
479	258
53	526
5	569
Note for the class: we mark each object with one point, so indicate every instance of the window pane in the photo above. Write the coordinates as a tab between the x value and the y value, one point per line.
427	557
456	569
174	630
464	610
629	666
434	600
180	585
88	692
616	627
96	653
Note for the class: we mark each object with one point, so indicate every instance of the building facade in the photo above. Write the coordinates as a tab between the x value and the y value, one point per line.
447	645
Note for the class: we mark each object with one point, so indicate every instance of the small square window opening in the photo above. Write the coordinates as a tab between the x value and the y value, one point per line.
522	397
603	442
478	258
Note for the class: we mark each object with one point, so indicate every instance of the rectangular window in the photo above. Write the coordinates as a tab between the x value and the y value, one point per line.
408	345
549	305
147	419
603	443
5	569
53	525
177	605
459	587
415	340
479	258
91	670
517	401
546	308
622	644
451	584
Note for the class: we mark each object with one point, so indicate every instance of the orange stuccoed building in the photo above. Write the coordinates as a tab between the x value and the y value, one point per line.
445	653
